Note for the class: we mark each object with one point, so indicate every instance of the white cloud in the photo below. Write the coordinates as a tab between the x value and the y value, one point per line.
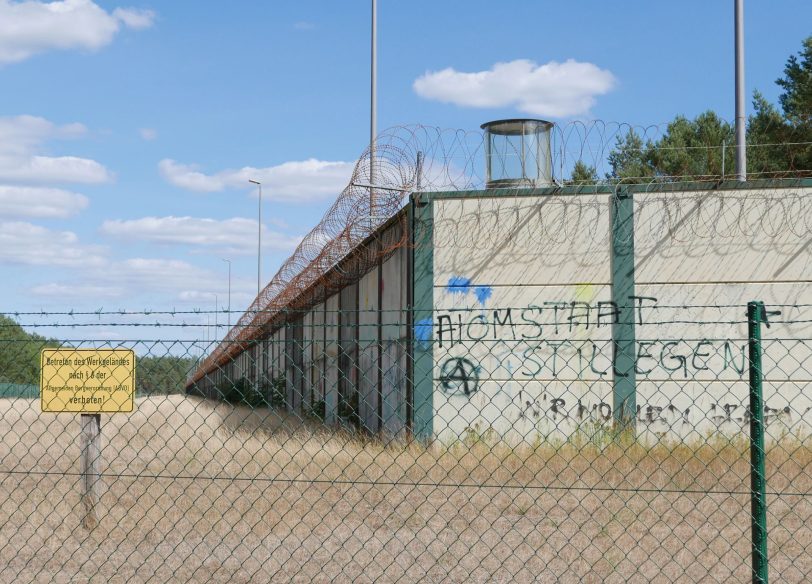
84	291
135	18
156	274
31	27
33	245
20	135
196	296
552	89
148	134
304	25
132	278
185	282
21	138
39	202
201	298
237	235
188	177
297	181
48	169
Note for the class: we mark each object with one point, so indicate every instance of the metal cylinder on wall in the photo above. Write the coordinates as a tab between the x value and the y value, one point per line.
518	153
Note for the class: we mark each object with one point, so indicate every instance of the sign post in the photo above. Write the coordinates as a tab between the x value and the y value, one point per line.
91	451
90	382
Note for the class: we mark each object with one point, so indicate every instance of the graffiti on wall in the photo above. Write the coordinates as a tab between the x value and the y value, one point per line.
659	417
538	409
459	375
549	365
535	320
520	341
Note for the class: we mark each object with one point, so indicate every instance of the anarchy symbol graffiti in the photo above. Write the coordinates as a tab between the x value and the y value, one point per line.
459	375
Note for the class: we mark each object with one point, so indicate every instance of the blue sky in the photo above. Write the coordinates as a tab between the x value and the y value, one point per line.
128	129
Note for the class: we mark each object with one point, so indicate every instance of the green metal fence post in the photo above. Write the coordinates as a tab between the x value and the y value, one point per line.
624	384
756	314
422	233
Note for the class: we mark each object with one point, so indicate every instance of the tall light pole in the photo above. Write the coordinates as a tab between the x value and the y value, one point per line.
741	145
229	291
373	107
259	234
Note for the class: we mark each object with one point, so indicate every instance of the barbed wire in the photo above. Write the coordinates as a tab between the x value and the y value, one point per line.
210	311
159	324
366	224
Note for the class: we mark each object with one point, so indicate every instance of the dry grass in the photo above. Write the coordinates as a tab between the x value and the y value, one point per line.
198	492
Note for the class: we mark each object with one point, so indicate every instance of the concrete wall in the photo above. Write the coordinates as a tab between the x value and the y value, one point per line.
360	345
395	341
523	317
344	358
525	324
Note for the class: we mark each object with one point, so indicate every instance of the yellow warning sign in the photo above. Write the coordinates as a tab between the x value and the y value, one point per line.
87	380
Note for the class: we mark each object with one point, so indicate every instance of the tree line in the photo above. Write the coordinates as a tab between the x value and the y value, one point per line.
779	139
20	362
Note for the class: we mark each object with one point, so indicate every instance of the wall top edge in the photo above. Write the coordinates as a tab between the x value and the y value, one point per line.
569	190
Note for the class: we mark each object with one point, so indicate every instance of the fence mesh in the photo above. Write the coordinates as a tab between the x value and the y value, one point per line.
303	460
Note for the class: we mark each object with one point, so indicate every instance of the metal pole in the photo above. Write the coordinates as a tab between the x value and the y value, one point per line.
741	147
259	242
373	106
259	236
418	179
622	269
216	308
756	314
724	145
229	291
522	159
90	455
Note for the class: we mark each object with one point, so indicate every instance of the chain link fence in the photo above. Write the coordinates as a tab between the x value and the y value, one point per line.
553	380
308	458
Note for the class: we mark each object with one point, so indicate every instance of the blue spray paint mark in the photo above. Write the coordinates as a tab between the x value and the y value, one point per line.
463	285
459	285
483	293
422	332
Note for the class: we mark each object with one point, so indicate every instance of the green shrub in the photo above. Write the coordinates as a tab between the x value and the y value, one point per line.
242	392
348	409
317	410
275	390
